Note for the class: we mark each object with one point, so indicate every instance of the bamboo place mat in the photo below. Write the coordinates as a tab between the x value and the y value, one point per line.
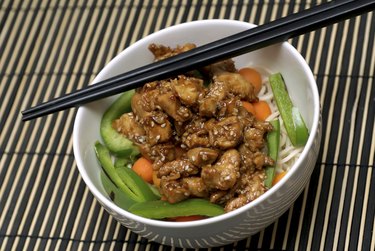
49	48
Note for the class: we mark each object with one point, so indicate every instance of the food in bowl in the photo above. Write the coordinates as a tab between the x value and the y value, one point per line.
200	144
227	227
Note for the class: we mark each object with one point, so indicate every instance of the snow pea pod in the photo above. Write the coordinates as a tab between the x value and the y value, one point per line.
159	209
124	178
293	121
104	157
118	197
273	142
117	143
138	186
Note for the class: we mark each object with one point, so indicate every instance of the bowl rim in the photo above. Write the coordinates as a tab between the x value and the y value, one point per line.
166	224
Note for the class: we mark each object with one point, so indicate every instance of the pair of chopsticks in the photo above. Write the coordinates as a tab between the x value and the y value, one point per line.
261	36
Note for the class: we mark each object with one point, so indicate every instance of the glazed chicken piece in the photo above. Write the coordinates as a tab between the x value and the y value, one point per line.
262	125
128	126
195	134
171	105
219	197
181	189
195	186
156	133
251	187
174	190
202	156
224	173
158	96
188	89
196	139
227	133
237	85
208	106
159	153
142	103
176	183
219	67
253	160
229	107
176	169
162	52
254	136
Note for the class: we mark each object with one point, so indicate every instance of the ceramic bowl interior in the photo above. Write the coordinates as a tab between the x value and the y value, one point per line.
242	222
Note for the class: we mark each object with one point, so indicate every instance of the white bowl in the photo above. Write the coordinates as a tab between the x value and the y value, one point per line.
240	223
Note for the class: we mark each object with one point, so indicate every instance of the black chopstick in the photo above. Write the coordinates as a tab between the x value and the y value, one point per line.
192	53
205	48
261	36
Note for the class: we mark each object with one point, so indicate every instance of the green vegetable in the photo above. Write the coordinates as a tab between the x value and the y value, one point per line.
117	143
118	197
136	184
105	160
273	143
123	162
293	121
124	178
159	209
302	134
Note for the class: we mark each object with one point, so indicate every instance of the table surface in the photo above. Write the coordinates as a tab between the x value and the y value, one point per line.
49	48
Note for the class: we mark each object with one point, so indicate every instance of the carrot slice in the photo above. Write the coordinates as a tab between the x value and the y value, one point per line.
278	177
249	107
143	167
253	76
262	110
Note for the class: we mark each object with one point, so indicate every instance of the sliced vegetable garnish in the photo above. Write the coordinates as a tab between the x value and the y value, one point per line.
293	121
135	183
117	143
124	178
159	209
122	162
253	76
118	197
249	107
273	144
262	110
278	177
105	160
143	167
302	134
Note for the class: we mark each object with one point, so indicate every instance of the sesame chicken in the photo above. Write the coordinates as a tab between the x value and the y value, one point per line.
224	173
201	140
202	156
